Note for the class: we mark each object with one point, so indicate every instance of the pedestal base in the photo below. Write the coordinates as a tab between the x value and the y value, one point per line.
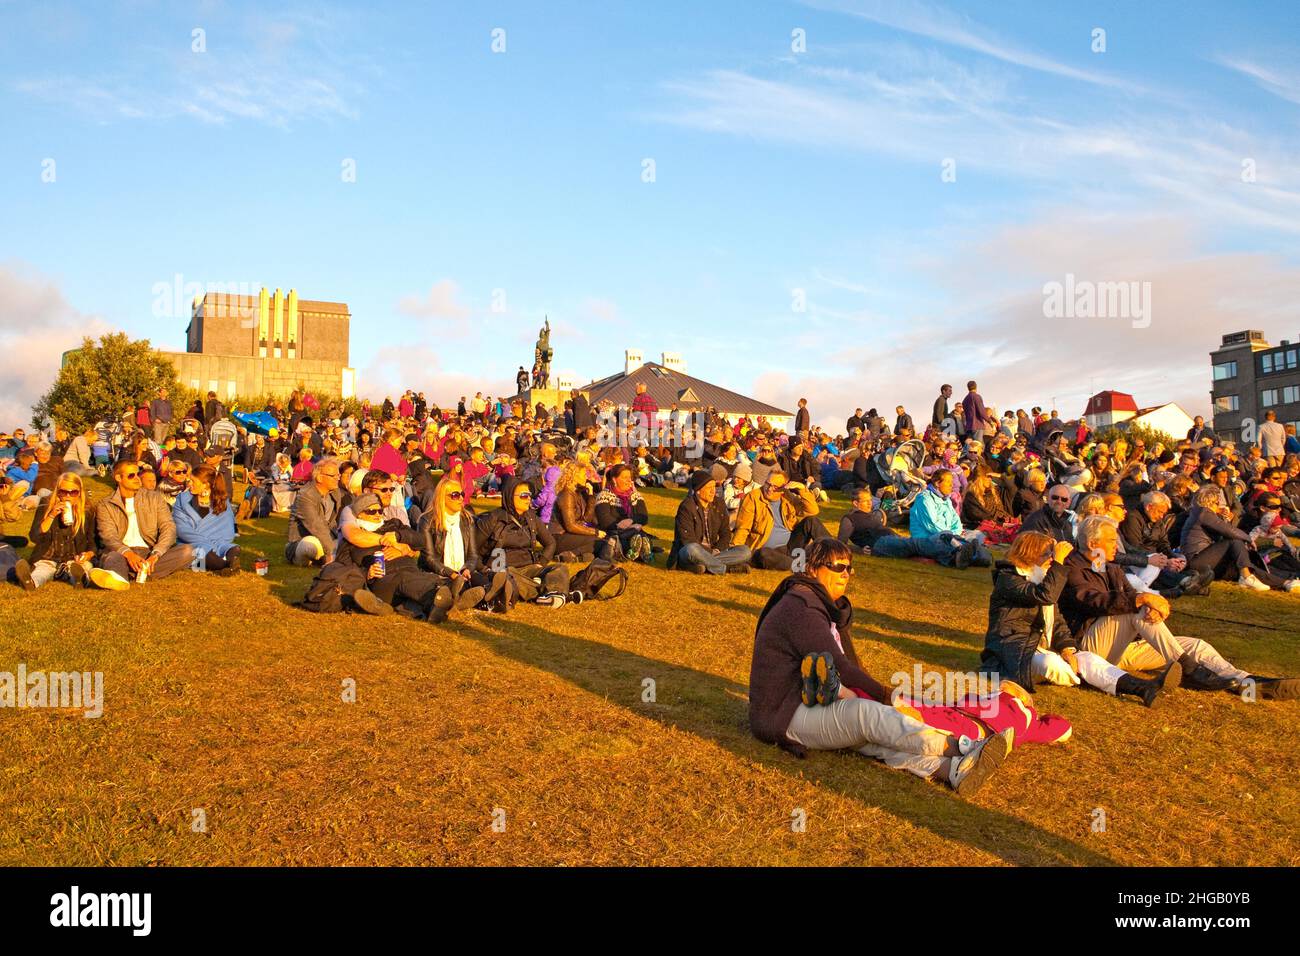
552	398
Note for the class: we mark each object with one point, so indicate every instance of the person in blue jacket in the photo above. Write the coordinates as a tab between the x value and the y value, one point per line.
936	530
205	520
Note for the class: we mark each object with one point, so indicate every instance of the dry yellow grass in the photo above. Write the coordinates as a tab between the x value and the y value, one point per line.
222	697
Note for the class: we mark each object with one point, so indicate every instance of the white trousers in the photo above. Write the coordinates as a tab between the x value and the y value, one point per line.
873	730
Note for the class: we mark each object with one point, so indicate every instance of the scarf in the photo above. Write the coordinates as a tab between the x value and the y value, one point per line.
453	545
1049	615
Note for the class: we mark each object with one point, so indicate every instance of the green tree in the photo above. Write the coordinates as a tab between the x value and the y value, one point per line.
104	380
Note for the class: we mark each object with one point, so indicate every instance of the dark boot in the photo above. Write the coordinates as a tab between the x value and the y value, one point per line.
1199	677
496	586
1276	688
1148	691
468	598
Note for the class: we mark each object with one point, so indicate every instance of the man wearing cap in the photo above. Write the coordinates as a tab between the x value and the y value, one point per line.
702	537
398	579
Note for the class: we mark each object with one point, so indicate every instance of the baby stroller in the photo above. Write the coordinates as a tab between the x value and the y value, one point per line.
901	468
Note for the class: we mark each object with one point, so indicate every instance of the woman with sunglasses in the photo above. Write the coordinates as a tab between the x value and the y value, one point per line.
622	514
64	536
451	547
515	535
205	521
808	618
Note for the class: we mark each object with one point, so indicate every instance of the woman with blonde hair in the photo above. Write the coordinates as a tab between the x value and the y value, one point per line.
1028	639
451	547
573	517
64	535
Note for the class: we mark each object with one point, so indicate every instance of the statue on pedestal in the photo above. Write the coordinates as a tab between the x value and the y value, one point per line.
542	355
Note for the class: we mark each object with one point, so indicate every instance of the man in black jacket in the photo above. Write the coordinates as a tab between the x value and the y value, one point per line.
1109	618
1056	519
1145	531
941	407
802	420
903	423
702	541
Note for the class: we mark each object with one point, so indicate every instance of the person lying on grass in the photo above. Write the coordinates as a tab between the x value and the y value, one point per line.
808	614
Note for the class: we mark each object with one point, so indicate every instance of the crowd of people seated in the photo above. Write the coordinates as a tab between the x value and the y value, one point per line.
409	508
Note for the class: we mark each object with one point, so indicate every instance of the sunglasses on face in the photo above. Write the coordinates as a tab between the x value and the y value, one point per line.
840	567
385	489
456	495
130	474
371	513
67	492
523	494
1057	498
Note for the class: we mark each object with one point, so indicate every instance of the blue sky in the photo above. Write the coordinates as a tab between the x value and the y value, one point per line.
780	175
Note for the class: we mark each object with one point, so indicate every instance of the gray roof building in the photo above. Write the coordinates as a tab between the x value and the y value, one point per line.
669	386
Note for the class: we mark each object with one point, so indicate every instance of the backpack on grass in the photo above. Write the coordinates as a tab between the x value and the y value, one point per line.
596	577
325	595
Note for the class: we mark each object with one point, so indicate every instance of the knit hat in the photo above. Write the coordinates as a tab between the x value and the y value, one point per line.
700	478
363	501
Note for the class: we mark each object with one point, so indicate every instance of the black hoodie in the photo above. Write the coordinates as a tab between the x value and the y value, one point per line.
523	537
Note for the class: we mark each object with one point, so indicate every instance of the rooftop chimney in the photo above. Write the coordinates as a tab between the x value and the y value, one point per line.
674	361
632	361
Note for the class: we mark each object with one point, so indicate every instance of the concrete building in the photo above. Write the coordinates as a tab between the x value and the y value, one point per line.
269	344
1250	377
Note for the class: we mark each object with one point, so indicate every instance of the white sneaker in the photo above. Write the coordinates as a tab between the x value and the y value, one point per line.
109	580
1248	580
1292	585
968	773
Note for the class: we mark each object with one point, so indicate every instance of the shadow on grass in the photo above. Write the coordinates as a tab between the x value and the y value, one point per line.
601	669
937	651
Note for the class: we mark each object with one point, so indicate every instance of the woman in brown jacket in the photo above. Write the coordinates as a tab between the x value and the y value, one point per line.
573	519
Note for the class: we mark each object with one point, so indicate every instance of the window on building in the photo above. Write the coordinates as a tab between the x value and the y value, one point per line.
230	391
1230	403
1225	370
213	385
1284	361
1280	396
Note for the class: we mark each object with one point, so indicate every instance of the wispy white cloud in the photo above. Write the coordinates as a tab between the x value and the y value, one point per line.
440	302
274	72
1280	81
936	22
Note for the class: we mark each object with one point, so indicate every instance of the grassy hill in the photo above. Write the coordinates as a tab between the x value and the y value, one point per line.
221	697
